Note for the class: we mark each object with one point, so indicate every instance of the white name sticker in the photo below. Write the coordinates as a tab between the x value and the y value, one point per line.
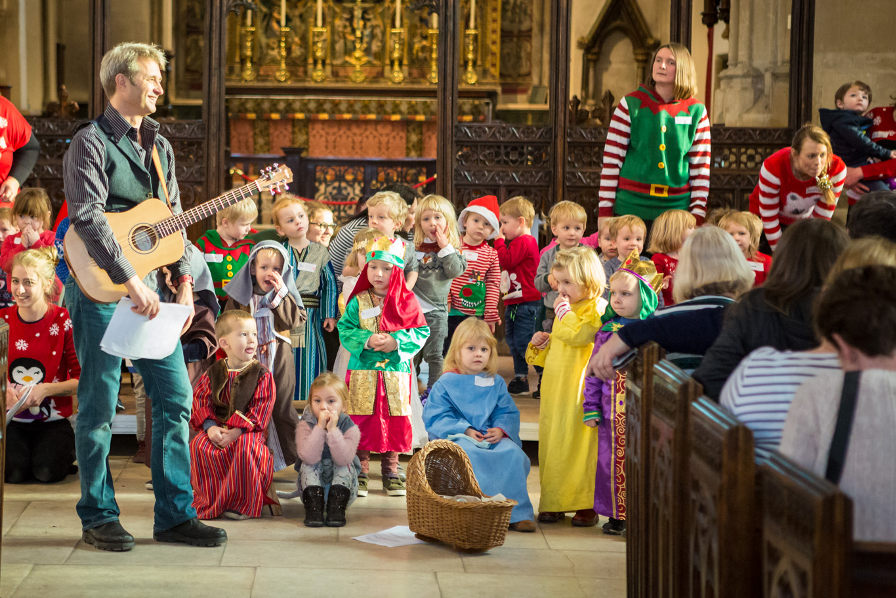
484	381
683	120
214	258
306	267
471	256
756	266
17	241
371	312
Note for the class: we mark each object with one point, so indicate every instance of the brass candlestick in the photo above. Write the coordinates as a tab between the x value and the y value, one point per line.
249	72
398	40
319	49
282	74
432	35
358	57
471	45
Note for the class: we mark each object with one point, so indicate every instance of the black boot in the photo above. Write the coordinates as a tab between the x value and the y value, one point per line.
337	501
313	499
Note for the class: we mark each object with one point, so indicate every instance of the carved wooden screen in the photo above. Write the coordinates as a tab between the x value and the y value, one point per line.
673	392
638	392
722	543
806	532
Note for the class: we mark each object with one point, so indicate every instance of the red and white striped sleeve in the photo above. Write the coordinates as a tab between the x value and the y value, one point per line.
492	288
700	158
838	176
770	202
618	135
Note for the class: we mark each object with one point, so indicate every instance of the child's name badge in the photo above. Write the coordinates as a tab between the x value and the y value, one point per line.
371	312
683	120
471	256
306	267
214	257
419	255
17	240
756	266
484	381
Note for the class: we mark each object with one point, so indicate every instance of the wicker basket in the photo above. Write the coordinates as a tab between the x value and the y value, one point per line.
442	468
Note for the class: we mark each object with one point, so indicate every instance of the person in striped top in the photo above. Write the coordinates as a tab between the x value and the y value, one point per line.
798	182
657	153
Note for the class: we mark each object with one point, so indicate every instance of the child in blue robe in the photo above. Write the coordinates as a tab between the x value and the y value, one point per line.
470	405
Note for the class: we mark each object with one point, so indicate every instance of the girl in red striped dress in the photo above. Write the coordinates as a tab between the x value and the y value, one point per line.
231	467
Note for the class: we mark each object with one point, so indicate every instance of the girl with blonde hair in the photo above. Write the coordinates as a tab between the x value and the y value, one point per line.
669	233
567	450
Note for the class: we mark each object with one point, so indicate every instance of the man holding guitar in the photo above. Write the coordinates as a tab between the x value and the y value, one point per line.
112	165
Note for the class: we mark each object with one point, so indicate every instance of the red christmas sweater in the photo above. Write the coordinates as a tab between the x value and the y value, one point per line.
781	198
666	265
476	291
40	352
519	261
760	264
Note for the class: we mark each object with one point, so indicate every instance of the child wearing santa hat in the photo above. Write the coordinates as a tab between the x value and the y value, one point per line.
476	291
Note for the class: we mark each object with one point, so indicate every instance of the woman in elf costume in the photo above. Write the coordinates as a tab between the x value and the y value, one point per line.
382	329
657	153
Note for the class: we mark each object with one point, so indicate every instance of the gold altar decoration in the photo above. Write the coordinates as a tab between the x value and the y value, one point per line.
471	49
360	42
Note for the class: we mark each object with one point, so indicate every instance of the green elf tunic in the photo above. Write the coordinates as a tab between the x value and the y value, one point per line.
656	157
223	260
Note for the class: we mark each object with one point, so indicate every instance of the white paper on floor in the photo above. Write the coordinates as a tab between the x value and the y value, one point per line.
400	535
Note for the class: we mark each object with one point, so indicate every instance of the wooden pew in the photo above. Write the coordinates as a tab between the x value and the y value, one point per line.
806	532
638	392
720	528
873	569
666	490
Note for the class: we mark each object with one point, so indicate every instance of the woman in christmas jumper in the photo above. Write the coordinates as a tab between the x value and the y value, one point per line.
382	328
40	442
567	450
633	296
316	282
476	291
231	467
798	182
265	288
439	263
657	154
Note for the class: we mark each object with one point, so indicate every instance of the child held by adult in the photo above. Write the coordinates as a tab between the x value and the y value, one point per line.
230	465
265	288
327	441
40	441
567	450
382	328
633	296
32	212
471	406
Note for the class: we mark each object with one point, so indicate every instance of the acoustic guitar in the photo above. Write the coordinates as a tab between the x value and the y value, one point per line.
150	235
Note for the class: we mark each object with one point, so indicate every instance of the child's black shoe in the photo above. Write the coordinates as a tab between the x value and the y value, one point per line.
337	501
614	527
518	386
313	499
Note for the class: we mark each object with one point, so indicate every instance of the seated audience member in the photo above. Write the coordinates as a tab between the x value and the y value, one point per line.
761	388
779	313
857	314
712	272
231	467
40	441
875	215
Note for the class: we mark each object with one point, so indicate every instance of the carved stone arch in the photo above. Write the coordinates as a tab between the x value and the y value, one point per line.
625	17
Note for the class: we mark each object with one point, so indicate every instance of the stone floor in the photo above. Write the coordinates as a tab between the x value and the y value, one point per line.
42	555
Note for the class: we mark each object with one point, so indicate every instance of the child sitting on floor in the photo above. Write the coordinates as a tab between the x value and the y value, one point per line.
746	229
470	405
265	288
230	465
327	441
633	296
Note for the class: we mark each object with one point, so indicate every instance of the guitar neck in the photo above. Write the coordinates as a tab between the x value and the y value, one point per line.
179	222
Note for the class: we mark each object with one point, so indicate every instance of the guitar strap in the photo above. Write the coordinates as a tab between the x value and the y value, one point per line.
158	164
843	427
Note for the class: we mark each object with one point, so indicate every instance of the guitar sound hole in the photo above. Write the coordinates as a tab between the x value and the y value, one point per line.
144	238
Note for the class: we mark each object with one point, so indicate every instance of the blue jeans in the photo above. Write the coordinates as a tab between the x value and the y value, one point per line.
169	388
519	326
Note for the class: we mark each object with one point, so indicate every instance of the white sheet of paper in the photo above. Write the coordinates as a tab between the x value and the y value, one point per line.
133	336
400	535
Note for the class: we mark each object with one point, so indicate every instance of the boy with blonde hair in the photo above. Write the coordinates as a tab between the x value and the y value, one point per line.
518	256
568	222
387	212
746	229
225	247
629	233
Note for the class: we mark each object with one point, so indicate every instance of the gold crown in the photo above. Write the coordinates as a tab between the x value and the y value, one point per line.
384	248
643	269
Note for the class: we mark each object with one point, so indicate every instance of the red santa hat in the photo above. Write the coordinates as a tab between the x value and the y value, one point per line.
487	207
